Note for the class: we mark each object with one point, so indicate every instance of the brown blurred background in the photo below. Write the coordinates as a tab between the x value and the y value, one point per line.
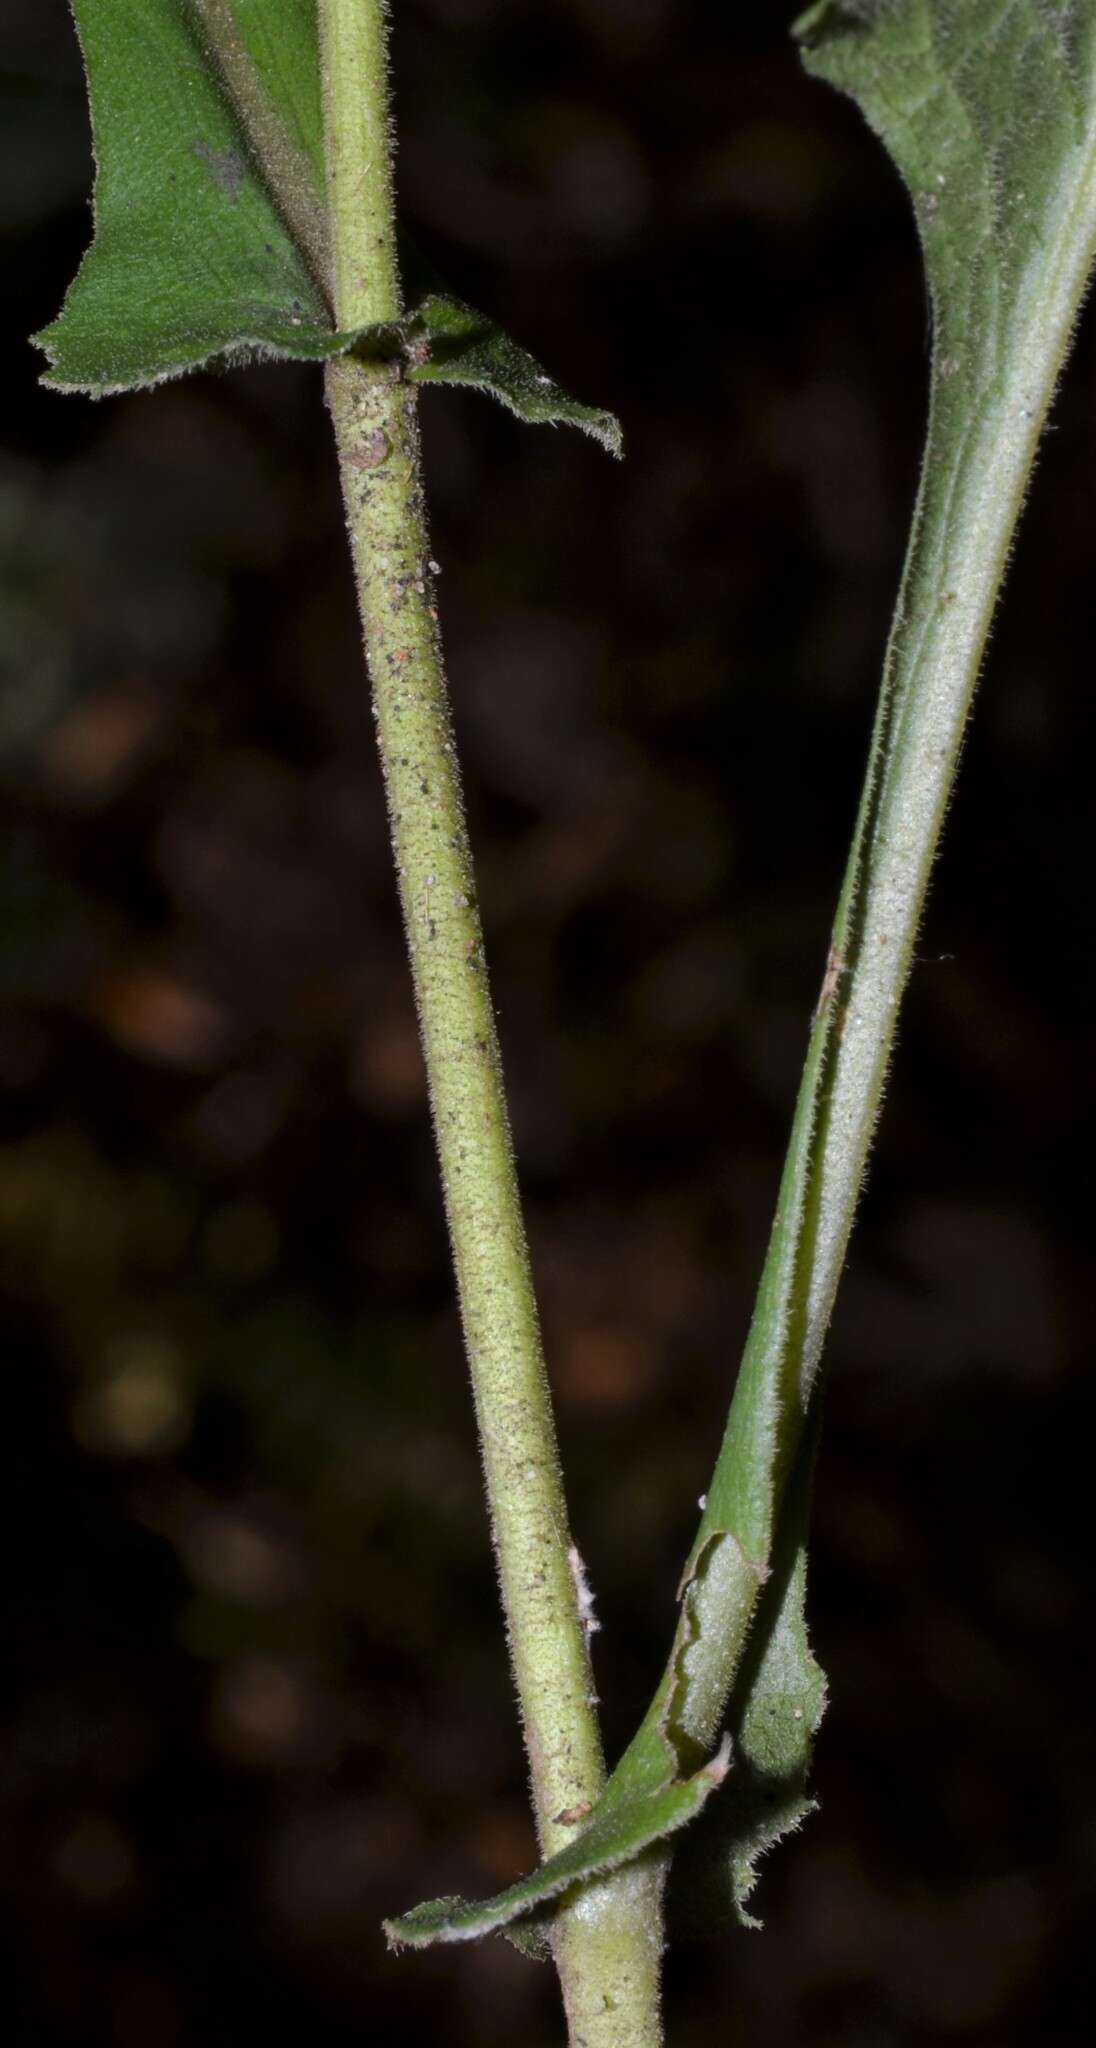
254	1688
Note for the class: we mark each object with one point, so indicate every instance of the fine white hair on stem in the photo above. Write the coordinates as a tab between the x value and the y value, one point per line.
583	1592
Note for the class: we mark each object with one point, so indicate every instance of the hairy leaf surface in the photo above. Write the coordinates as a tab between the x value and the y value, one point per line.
210	238
775	1709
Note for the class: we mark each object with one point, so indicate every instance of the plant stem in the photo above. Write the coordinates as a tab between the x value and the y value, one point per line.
377	433
358	147
607	1945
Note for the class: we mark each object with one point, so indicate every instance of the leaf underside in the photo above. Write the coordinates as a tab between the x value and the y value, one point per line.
981	104
988	109
209	218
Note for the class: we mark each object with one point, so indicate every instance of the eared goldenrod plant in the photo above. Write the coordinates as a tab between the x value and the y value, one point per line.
244	209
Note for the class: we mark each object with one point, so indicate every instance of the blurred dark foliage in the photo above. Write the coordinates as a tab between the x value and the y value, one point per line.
254	1685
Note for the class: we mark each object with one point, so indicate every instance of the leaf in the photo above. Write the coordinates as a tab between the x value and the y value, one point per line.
985	106
617	1834
774	1714
210	238
192	259
731	1558
1006	206
989	109
468	349
784	1703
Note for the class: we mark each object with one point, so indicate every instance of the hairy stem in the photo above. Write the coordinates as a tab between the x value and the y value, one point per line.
358	145
377	433
607	1944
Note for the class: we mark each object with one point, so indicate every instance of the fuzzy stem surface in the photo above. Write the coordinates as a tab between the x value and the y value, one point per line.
607	1943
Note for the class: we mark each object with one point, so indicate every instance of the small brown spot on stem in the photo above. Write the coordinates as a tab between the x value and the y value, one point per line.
835	968
375	449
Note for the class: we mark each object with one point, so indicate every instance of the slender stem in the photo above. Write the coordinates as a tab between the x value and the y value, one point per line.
358	140
377	433
607	1944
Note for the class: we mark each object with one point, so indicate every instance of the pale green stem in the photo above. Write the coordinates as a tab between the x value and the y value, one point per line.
358	144
377	433
607	1944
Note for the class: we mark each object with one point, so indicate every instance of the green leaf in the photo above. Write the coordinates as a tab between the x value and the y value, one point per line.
784	1703
466	348
210	236
989	110
192	259
617	1834
775	1710
280	40
1006	208
985	107
732	1557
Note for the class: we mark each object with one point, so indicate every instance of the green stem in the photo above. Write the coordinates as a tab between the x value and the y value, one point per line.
377	433
358	144
607	1945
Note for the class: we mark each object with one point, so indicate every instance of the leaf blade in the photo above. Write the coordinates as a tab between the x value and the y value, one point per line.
617	1834
190	260
467	349
1008	228
210	234
774	1715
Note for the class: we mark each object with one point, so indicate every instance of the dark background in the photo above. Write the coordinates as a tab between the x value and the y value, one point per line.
254	1688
